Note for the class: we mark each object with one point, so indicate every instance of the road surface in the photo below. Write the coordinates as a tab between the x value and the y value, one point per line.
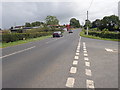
67	62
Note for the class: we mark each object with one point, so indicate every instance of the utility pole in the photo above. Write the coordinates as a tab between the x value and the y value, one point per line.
87	22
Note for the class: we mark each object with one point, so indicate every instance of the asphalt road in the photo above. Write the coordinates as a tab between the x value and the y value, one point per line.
55	63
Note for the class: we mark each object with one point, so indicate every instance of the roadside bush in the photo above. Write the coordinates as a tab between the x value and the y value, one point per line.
105	34
11	37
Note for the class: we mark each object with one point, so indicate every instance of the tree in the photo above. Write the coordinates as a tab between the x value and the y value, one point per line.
74	23
37	23
111	23
96	23
87	24
52	20
27	24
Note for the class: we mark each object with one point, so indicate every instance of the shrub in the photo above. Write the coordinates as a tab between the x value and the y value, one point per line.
105	34
11	37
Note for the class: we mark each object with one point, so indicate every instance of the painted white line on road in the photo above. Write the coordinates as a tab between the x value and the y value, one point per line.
85	58
73	70
78	45
84	47
111	50
70	82
18	52
78	48
83	43
85	54
80	39
88	72
75	62
87	64
90	84
76	57
85	51
77	53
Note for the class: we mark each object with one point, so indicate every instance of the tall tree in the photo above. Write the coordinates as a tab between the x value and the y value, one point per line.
27	24
52	20
74	23
109	22
87	23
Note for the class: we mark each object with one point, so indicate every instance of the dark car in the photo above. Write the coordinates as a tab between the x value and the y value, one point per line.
57	34
70	31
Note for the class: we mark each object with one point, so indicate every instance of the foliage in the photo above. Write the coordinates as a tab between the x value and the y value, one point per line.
27	24
52	20
11	37
112	23
104	34
33	24
74	23
87	24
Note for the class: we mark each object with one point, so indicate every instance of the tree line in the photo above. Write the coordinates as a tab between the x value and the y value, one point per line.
112	23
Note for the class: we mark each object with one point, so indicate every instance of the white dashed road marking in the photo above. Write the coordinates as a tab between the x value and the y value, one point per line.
78	48
85	54
73	70
85	51
85	58
87	64
111	50
90	84
76	57
18	52
70	82
88	72
75	62
77	51
77	54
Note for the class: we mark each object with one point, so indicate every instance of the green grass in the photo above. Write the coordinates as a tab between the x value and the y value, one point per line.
93	37
3	45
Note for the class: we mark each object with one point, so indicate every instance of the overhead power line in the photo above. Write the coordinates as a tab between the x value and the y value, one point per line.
90	5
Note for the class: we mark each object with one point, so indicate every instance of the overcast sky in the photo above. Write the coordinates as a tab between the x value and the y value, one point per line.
17	13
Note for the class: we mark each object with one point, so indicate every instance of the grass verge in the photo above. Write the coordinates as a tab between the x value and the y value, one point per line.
3	45
93	37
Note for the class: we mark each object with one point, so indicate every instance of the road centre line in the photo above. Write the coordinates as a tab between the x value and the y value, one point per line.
76	57
85	54
78	46
18	52
85	58
85	51
77	53
90	84
88	72
73	70
87	64
80	39
75	62
70	82
84	47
